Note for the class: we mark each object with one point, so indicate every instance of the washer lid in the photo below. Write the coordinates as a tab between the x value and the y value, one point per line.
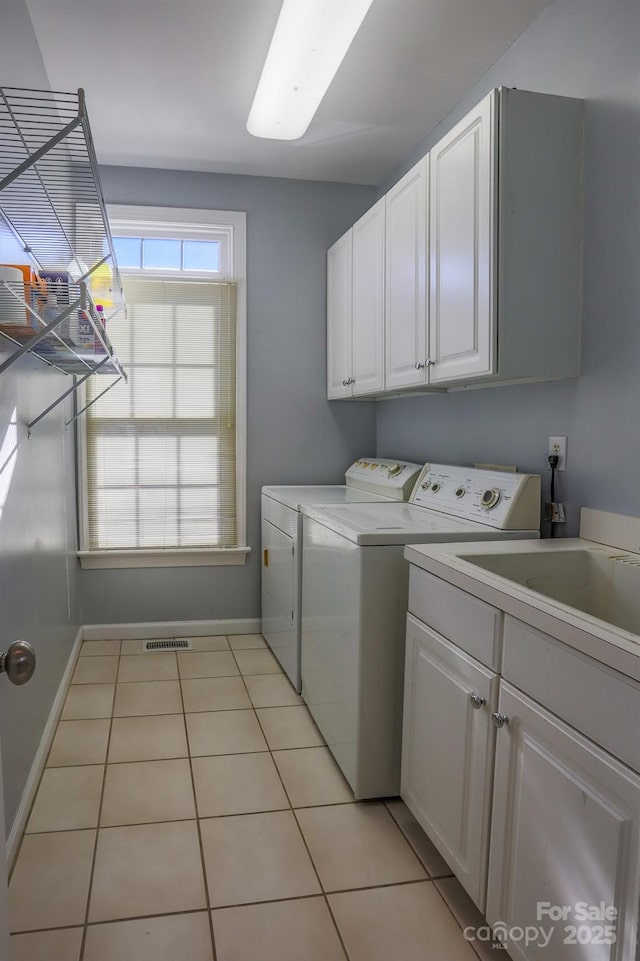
296	497
393	523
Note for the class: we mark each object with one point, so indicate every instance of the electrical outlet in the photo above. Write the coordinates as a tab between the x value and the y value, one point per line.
558	445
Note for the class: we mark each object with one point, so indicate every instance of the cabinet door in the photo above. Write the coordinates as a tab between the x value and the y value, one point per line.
447	751
368	301
339	318
462	307
564	832
406	266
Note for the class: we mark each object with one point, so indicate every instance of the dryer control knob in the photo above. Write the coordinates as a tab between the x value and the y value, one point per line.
395	469
490	498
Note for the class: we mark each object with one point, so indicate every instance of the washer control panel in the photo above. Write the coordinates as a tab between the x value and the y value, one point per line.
506	501
392	478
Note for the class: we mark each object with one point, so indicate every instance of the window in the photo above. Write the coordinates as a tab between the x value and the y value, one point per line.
164	460
164	254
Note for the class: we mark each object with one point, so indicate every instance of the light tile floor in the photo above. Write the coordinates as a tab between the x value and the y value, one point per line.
190	810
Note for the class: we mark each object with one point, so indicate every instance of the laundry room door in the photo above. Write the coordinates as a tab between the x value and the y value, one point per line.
4	916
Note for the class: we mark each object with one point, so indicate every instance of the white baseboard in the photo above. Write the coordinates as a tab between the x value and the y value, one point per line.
134	632
39	761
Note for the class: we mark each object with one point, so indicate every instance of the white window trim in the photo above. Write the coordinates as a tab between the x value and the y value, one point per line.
233	224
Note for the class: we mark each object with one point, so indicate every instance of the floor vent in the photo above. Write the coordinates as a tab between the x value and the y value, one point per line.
170	644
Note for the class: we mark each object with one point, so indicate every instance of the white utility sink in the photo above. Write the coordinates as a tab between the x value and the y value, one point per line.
598	582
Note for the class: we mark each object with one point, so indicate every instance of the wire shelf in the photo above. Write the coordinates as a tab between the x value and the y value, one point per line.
52	202
50	191
77	344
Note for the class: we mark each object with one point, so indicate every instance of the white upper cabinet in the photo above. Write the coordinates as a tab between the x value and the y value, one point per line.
483	257
367	342
462	248
339	290
355	308
406	264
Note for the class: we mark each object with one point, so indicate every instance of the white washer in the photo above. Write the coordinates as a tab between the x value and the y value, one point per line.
368	479
354	604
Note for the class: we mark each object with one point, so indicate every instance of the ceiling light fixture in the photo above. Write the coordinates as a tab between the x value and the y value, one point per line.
308	45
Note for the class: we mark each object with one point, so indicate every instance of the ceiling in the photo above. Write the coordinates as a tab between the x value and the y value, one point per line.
169	83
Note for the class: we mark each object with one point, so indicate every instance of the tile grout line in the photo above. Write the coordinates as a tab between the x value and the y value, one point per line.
239	904
95	845
293	810
297	823
203	865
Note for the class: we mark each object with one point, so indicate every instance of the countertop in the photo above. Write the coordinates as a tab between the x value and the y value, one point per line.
610	645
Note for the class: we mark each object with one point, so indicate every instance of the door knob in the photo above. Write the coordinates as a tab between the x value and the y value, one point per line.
19	662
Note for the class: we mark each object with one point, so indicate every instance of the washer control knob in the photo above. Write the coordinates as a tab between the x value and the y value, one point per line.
435	488
460	492
395	469
490	498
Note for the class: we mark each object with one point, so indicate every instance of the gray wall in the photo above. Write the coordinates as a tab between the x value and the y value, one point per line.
294	435
588	49
38	583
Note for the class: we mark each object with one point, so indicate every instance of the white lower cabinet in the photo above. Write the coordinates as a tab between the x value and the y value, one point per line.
447	750
564	832
540	823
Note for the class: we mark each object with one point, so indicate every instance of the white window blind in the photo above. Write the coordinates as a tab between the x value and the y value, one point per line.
161	457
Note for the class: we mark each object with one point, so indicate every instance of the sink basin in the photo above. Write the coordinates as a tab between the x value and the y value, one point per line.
596	582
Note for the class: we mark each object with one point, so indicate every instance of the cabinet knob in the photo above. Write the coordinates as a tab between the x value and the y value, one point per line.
351	380
499	720
430	362
345	383
419	366
476	700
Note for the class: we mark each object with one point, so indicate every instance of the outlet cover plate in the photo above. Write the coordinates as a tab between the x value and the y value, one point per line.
558	445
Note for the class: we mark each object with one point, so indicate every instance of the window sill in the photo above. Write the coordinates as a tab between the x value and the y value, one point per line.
207	557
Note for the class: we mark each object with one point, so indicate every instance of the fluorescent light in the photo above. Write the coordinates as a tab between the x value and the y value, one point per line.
308	45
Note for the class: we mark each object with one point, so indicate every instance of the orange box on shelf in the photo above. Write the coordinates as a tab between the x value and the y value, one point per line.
35	294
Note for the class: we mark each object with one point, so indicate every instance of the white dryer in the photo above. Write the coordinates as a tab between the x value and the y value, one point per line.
368	479
355	603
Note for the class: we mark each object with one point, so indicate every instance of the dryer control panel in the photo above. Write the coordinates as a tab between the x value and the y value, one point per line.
392	478
506	501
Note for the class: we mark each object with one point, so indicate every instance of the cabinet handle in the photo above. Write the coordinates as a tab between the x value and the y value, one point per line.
499	720
419	366
476	700
265	557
